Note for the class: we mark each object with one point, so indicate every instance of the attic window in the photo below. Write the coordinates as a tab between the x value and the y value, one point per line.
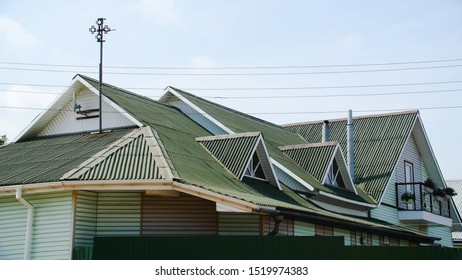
334	178
254	169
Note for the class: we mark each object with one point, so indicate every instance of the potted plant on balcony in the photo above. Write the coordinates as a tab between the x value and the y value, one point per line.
430	185
439	194
449	192
408	197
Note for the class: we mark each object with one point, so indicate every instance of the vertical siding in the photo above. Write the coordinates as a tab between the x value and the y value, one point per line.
85	218
13	219
52	225
238	224
286	227
183	215
118	214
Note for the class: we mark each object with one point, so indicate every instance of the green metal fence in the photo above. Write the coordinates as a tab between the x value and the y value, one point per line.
256	248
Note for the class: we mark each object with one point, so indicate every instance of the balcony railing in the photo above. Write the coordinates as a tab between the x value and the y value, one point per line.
424	200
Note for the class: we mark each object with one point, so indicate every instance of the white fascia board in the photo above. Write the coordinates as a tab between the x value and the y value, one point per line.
368	205
52	110
109	101
337	154
197	109
291	174
262	142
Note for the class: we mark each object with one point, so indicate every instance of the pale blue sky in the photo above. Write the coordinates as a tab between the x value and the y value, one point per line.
202	33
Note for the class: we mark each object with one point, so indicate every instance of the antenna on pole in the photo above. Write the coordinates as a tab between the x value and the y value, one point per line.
100	30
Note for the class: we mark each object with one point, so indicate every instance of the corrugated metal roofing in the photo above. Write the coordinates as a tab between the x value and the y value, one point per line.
232	151
378	141
275	136
134	161
46	159
314	158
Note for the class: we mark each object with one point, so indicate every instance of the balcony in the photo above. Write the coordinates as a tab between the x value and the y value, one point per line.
426	208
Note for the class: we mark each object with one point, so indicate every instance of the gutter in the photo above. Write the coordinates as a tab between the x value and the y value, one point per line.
30	215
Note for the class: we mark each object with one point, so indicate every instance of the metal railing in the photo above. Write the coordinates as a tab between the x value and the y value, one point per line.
424	199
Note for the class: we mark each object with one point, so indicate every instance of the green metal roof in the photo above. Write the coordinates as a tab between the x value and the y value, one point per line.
275	136
133	161
378	141
233	151
314	158
47	159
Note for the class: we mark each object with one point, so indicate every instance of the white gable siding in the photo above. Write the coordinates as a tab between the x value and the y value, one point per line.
410	154
13	219
66	121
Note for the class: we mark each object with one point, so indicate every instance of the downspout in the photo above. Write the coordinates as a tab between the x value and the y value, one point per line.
30	213
277	220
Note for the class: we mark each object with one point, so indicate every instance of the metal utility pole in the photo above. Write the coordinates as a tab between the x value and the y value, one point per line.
100	29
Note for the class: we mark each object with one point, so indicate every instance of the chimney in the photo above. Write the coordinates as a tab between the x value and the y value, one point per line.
325	131
350	146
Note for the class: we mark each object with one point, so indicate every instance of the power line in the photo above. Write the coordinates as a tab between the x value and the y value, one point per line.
284	96
256	113
262	88
238	67
238	74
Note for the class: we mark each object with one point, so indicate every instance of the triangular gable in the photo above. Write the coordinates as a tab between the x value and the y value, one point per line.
76	110
322	160
136	156
238	153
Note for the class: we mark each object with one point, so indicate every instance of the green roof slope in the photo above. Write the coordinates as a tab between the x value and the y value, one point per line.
193	163
274	135
46	159
378	142
314	158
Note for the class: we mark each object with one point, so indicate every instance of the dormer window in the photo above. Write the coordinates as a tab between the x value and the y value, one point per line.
254	169
334	178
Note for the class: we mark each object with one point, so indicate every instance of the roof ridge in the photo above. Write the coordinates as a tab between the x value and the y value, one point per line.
354	118
230	109
308	145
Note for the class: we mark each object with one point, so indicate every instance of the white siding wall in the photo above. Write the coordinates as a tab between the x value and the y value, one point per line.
85	218
238	224
345	233
442	232
13	219
66	122
118	214
304	229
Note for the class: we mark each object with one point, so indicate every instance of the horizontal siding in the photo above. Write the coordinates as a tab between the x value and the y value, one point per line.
238	224
304	229
118	214
286	227
183	215
13	220
442	232
346	235
85	218
52	225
